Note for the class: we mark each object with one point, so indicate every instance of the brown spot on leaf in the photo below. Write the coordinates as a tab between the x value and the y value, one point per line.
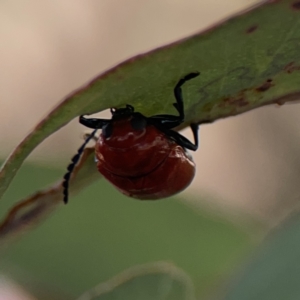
265	86
296	5
241	102
238	100
291	67
251	29
279	102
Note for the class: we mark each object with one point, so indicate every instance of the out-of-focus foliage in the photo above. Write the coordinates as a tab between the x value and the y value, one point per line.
101	233
148	282
273	272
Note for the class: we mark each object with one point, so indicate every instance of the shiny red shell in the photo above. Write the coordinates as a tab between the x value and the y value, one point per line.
143	164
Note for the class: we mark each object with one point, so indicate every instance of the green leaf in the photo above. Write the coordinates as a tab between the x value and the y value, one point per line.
248	61
274	271
159	281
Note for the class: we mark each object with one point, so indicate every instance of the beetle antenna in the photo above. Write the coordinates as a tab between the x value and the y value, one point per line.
72	165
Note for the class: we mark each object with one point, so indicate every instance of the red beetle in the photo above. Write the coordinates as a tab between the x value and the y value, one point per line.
142	157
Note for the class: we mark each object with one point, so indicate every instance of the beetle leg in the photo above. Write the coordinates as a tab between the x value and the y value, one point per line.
72	165
93	123
87	134
195	129
167	121
178	93
171	121
180	139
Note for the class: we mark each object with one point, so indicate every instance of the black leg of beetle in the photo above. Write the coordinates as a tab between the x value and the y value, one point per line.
178	93
93	122
180	139
72	165
195	129
171	121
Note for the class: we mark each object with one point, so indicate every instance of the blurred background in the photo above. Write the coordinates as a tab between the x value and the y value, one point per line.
246	165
